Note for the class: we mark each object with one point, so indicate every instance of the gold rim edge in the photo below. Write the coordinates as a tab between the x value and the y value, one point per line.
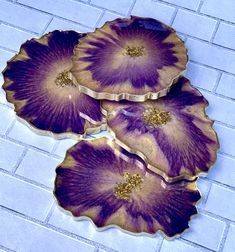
100	229
57	136
133	97
157	170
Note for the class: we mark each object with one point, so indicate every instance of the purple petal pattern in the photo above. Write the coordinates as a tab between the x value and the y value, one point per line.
172	134
39	84
134	59
100	180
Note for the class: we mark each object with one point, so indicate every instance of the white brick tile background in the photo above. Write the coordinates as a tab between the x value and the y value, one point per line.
30	220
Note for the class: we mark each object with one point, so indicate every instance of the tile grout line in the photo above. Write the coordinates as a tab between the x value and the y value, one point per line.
159	247
225	124
10	127
213	93
46	26
217	83
31	147
223	240
56	229
210	67
198	245
26	180
53	15
214	182
131	8
226	154
19	28
208	43
103	8
174	16
55	147
20	159
207	195
99	19
50	212
194	11
7	49
215	32
5	249
195	245
189	36
216	94
199	7
216	216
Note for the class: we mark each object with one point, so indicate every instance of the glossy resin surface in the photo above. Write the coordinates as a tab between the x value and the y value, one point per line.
100	180
39	84
131	58
172	134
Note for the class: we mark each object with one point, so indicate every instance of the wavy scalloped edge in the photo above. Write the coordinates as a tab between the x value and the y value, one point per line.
155	169
101	229
57	136
127	96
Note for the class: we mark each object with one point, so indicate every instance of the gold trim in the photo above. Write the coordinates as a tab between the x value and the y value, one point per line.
57	136
128	96
112	143
157	170
65	135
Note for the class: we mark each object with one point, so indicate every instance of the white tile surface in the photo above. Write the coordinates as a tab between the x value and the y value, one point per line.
148	8
68	9
22	235
197	25
23	133
24	197
218	202
12	153
221	9
208	58
39	167
202	227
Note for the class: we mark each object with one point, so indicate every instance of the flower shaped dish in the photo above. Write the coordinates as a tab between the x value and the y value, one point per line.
100	180
131	58
172	134
39	84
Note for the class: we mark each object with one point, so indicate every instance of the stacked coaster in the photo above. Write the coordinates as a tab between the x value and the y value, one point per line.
125	77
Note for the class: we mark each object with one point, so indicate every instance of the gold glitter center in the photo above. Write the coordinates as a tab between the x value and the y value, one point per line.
131	181
154	117
63	79
134	51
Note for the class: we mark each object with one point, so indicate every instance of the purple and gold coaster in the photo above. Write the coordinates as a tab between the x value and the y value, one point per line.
100	180
39	84
131	58
172	134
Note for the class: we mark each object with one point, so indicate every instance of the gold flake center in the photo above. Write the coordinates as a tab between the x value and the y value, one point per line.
131	181
63	79
134	51
154	117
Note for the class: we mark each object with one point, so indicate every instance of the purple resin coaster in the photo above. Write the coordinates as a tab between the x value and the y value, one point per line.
172	134
131	58
100	180
39	84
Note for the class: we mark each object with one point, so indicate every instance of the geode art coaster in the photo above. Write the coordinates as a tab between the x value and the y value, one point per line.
39	84
130	58
172	134
100	180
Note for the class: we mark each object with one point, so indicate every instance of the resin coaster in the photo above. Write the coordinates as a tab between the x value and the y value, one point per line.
131	58
39	84
101	181
172	134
